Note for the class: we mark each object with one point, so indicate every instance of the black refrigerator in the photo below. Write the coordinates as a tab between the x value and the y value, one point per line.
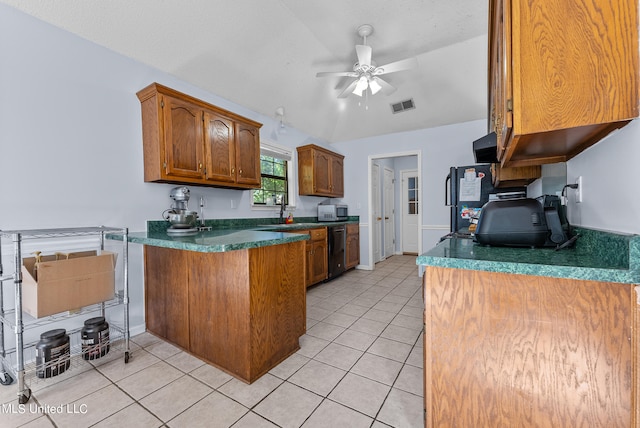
468	188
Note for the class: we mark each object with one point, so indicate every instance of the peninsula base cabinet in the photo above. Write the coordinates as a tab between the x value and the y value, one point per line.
316	257
242	311
353	246
506	350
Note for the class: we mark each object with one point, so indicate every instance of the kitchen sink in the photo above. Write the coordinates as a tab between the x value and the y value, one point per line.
288	226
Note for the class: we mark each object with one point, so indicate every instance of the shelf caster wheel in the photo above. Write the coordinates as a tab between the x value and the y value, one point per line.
126	357
6	379
23	398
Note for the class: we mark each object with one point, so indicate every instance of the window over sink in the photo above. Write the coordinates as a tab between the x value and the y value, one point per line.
277	177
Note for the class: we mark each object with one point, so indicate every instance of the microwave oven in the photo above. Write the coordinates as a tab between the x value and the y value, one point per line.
332	212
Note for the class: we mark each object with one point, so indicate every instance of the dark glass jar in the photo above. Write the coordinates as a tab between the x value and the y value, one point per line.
95	338
53	353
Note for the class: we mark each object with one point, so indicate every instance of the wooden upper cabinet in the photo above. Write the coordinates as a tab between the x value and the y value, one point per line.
188	141
562	75
320	172
219	148
337	176
183	139
248	155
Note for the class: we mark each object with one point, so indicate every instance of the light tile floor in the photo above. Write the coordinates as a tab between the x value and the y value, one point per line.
359	365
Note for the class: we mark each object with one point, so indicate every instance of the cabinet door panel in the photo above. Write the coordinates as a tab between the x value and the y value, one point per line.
183	139
321	171
219	148
166	294
319	263
337	177
247	155
353	246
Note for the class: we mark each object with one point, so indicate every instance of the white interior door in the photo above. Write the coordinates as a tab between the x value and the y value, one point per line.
389	218
376	219
410	210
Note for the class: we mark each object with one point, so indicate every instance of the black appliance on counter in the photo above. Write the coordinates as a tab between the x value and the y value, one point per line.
337	241
468	188
524	222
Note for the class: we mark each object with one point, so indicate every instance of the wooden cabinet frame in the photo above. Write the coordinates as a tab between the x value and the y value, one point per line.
562	76
188	141
320	172
507	349
316	255
242	311
352	252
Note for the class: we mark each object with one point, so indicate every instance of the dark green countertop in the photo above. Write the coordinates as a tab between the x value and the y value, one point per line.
227	235
597	255
216	240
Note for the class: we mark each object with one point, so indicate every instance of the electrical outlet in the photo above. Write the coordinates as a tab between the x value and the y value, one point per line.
579	190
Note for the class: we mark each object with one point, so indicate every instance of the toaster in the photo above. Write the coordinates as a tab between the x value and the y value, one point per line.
521	222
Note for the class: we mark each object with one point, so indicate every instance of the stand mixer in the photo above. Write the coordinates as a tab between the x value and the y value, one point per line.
183	221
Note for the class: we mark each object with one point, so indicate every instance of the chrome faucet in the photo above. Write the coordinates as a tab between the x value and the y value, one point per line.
282	210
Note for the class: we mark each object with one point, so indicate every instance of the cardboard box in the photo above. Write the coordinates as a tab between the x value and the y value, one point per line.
72	281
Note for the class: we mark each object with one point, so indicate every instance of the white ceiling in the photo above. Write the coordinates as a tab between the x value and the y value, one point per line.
263	54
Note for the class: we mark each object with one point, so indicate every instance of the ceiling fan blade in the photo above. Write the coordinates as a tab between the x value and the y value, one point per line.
349	89
387	89
336	73
364	54
392	67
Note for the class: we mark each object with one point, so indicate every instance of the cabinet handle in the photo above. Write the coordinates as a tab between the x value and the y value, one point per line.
200	166
233	170
240	172
379	218
386	218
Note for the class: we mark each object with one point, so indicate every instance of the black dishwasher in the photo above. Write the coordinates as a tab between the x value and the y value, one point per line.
337	239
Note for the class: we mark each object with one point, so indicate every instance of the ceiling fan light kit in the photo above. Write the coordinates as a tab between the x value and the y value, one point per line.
365	72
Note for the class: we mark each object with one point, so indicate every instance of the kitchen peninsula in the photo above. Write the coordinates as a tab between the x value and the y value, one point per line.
232	297
533	337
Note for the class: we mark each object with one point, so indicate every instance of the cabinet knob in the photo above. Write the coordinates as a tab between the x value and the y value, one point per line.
200	166
233	170
240	172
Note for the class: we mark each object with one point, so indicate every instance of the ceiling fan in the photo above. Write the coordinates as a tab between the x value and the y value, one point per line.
366	73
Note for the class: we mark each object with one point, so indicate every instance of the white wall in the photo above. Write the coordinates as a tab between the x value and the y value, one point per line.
440	149
610	171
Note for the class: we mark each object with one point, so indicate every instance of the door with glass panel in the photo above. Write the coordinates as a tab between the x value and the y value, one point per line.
410	211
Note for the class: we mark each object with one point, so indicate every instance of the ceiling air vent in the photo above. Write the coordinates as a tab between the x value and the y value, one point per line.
402	106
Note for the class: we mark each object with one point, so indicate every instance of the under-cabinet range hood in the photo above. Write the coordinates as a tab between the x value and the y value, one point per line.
485	149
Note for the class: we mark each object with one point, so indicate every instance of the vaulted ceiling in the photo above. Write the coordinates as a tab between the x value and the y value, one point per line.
264	54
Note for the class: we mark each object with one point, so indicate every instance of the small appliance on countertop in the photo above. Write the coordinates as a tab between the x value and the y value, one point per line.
332	212
524	222
183	220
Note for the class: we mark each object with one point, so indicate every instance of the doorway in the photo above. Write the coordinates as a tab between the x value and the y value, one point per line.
389	213
376	214
410	209
382	245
